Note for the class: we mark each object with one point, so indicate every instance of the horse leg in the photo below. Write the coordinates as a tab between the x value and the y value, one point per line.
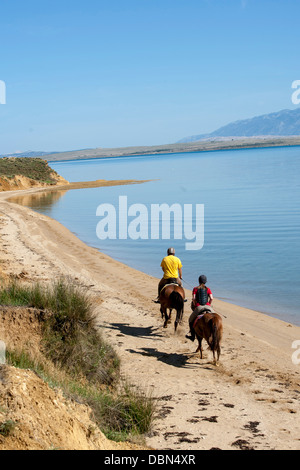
162	312
214	355
218	349
176	321
219	352
179	314
166	318
216	352
199	348
216	338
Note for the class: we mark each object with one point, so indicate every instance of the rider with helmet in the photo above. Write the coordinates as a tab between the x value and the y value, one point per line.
172	268
201	303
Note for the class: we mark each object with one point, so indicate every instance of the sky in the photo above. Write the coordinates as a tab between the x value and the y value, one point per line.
115	73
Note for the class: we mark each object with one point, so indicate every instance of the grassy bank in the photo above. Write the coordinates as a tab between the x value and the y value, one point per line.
76	358
33	168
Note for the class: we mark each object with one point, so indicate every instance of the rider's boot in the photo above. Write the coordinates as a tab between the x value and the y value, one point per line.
192	336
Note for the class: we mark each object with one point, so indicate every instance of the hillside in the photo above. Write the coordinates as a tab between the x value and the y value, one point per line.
281	123
23	173
36	415
27	154
60	384
200	146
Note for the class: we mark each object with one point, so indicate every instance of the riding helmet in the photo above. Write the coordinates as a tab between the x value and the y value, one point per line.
202	279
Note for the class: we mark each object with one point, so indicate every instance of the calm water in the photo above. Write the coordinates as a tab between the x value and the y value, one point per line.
251	253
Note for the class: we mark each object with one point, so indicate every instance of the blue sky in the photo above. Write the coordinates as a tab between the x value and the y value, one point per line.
140	72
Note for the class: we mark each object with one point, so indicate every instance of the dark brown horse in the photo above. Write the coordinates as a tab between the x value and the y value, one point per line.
210	327
172	297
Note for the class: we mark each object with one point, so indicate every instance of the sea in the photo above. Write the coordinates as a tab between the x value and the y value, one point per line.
244	206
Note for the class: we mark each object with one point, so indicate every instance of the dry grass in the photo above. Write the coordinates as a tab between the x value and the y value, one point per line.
75	357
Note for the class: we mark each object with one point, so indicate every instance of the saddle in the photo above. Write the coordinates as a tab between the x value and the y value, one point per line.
169	284
201	315
172	280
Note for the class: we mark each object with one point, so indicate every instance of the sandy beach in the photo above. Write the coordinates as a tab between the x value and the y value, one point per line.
251	401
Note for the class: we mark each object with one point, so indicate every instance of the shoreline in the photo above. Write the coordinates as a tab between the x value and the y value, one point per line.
104	183
74	185
256	382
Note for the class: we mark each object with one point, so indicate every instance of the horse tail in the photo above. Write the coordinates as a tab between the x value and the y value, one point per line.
178	304
216	335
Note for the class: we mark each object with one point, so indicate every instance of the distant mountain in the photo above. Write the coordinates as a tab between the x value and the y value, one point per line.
282	123
33	154
28	154
285	123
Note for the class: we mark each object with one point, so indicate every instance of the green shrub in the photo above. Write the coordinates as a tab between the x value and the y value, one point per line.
72	342
7	427
34	168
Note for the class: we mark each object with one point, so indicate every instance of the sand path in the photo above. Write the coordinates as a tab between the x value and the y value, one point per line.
250	402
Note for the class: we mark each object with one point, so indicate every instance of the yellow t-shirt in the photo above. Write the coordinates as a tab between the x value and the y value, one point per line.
170	265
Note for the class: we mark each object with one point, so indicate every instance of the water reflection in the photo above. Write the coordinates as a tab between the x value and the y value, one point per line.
43	201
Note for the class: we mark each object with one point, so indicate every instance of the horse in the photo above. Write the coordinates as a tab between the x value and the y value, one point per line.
172	297
210	327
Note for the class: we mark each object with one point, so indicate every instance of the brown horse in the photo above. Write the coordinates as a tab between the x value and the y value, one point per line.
210	327
172	297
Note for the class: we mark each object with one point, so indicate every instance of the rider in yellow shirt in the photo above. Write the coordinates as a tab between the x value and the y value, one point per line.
172	268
